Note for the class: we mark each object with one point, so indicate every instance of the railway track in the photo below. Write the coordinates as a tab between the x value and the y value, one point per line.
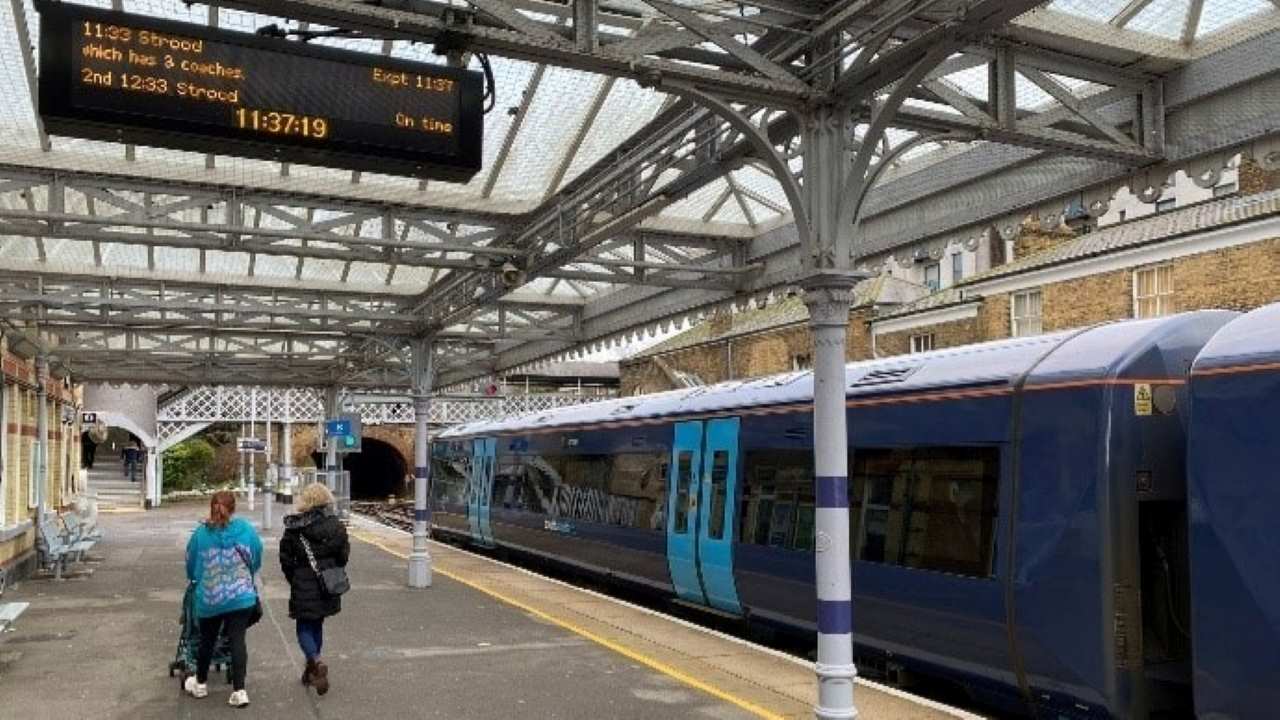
398	515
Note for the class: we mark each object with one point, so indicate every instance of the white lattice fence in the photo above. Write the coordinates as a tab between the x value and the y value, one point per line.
208	404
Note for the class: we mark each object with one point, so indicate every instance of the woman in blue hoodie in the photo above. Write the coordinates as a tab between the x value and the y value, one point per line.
223	556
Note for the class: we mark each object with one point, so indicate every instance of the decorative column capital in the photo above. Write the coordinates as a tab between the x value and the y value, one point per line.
828	295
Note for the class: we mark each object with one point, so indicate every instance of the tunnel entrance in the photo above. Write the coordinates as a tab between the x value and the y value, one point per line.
377	471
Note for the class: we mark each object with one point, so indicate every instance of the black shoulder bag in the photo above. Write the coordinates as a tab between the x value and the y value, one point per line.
333	580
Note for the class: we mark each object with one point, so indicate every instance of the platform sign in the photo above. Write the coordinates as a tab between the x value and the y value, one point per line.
347	431
115	76
251	445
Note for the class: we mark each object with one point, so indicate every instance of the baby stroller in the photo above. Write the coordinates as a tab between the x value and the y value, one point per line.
184	661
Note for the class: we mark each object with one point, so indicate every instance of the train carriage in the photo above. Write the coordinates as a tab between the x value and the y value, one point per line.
1233	456
1012	505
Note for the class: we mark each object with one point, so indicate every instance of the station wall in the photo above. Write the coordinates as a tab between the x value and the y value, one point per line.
18	419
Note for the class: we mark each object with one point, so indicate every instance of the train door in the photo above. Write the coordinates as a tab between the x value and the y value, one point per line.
701	496
483	462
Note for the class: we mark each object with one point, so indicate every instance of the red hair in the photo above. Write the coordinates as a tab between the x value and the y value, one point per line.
221	507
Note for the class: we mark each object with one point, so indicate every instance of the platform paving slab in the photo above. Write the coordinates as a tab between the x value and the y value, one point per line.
773	684
99	646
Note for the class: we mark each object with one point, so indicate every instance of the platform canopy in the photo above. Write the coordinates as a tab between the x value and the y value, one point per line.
617	199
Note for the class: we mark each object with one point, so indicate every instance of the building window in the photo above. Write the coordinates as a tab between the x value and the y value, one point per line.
1027	309
930	508
803	361
957	268
1123	214
922	342
1153	291
933	277
1224	189
1166	205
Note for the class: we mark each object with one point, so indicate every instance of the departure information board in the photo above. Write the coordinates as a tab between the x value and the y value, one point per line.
109	75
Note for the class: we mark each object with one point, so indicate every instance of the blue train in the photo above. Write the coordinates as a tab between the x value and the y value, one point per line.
1024	522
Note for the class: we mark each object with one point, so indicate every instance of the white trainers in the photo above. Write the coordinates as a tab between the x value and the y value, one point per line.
195	689
239	699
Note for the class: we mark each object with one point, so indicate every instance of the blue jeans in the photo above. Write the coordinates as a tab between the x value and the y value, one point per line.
311	637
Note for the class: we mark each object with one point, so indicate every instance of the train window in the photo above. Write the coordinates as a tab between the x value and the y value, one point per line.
932	508
777	499
684	477
626	489
719	486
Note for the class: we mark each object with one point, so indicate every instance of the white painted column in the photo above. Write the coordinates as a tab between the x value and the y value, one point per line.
41	458
286	447
152	477
828	297
420	557
331	445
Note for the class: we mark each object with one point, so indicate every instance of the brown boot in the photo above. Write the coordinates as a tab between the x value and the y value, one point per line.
320	677
308	672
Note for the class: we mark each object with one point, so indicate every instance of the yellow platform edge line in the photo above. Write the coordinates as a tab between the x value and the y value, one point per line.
623	650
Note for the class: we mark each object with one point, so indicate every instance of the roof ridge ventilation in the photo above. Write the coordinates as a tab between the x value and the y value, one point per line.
885	376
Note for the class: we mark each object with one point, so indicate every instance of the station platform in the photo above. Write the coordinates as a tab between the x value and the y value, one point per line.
488	640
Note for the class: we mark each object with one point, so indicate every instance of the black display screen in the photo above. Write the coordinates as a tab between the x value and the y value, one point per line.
110	75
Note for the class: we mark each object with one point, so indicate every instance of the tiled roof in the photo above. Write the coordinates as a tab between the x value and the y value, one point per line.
1175	223
941	299
790	311
1165	226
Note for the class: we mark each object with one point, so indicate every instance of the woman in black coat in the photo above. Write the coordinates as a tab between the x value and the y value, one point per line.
309	604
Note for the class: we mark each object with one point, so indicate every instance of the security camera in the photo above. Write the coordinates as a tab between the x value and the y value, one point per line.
512	276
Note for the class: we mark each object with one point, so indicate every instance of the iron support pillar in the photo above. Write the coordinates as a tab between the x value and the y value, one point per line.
420	558
828	294
828	297
244	432
286	448
41	458
152	476
331	444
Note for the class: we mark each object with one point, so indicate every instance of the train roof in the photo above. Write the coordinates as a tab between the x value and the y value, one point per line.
1251	339
1067	356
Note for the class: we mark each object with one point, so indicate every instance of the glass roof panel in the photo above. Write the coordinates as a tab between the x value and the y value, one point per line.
18	248
278	266
316	269
1219	14
560	102
179	259
1167	18
221	262
625	111
1162	17
121	255
699	203
1100	10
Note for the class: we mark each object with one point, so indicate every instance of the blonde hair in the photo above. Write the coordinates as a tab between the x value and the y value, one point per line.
313	496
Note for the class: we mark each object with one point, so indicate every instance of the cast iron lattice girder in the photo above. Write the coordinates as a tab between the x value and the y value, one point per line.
629	175
157	221
1223	106
498	28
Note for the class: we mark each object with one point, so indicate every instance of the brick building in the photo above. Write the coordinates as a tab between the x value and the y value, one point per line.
759	342
1223	252
18	413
